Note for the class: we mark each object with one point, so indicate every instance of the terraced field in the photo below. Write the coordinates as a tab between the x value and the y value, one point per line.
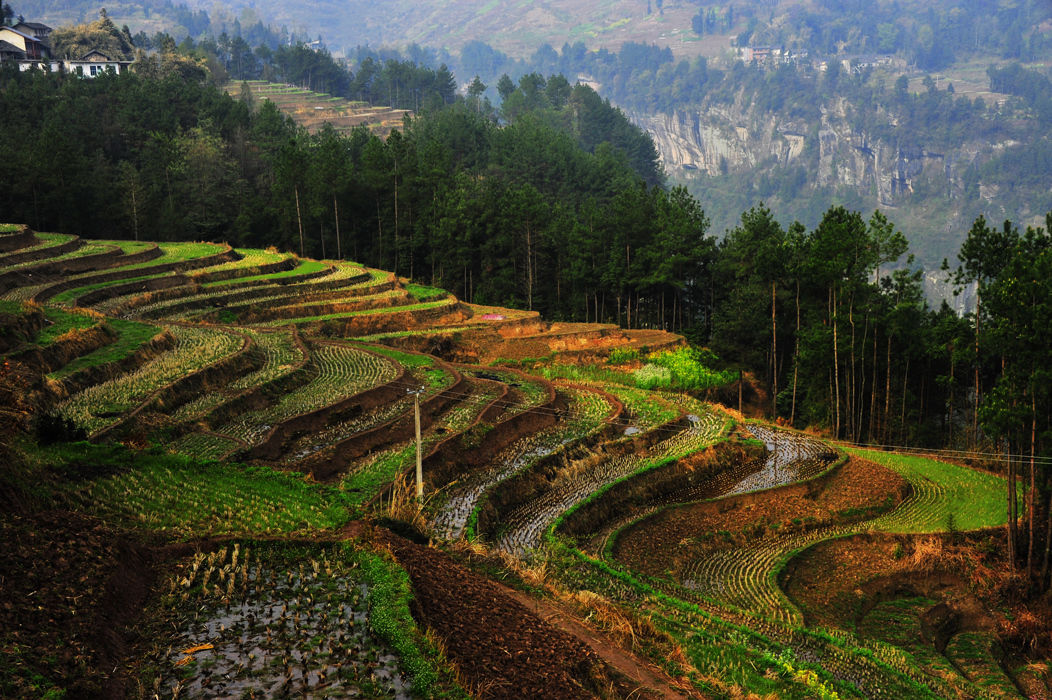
302	370
745	576
313	109
342	371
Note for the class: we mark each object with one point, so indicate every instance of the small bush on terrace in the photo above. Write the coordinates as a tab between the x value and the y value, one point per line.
682	368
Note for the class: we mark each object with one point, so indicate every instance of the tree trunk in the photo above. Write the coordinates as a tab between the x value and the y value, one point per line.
1010	525
774	349
836	365
887	396
902	410
1033	488
852	390
299	219
796	357
873	393
336	218
1048	547
975	412
529	268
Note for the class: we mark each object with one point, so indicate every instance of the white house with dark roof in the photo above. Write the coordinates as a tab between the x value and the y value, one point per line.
27	44
94	63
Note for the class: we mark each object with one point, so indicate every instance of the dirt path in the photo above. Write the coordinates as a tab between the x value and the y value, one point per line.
508	644
651	681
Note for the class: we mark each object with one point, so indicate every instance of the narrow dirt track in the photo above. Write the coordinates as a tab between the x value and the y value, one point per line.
508	644
650	680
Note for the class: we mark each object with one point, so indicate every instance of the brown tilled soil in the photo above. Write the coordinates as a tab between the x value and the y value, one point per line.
504	647
856	490
68	584
836	580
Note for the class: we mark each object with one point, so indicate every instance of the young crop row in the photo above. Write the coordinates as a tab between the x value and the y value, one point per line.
744	576
586	409
943	493
370	474
343	371
422	371
46	240
527	525
150	270
195	499
212	294
367	312
274	621
532	392
281	356
93	248
308	294
205	446
196	348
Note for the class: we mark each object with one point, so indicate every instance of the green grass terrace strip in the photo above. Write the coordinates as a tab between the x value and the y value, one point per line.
47	240
170	253
63	322
322	277
196	348
305	267
176	494
944	494
251	258
367	312
130	337
93	248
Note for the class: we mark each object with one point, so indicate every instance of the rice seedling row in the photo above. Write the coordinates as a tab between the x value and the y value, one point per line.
232	292
281	355
587	410
367	312
343	371
532	392
314	442
46	241
423	372
258	620
278	307
744	577
93	248
205	445
942	492
291	296
196	348
305	267
193	499
250	258
209	293
526	526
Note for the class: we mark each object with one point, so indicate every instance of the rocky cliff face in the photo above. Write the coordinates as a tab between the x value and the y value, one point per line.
724	140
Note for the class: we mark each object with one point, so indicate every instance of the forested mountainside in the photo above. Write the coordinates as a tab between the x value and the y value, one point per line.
826	119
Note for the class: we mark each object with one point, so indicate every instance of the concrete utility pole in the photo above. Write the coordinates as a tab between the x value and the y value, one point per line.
419	447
